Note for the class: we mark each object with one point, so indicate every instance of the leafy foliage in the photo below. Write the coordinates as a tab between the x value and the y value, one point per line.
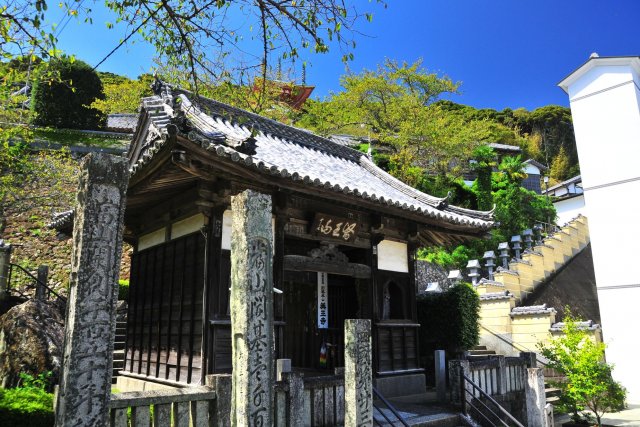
25	174
122	95
397	105
29	405
588	384
485	160
123	290
449	320
65	102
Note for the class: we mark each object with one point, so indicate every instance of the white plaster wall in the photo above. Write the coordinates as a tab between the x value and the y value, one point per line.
187	226
568	209
393	256
152	239
606	115
532	169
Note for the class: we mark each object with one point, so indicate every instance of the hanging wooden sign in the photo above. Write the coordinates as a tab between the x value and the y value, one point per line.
335	227
323	301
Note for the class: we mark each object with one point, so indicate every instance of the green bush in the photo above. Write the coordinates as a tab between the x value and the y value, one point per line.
26	407
588	384
449	320
123	290
64	101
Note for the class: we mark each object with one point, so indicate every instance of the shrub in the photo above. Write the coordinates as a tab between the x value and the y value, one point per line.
64	101
588	384
449	320
29	405
123	290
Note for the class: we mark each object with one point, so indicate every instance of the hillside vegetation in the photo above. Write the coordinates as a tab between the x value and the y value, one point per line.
418	137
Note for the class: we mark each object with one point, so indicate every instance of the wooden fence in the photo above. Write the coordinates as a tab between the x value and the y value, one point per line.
184	407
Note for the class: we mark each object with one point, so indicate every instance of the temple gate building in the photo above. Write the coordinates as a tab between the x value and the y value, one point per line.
345	236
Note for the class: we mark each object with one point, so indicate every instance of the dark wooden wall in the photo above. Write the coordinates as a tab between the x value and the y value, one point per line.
164	328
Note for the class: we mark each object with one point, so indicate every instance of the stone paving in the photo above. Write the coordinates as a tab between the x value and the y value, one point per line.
628	418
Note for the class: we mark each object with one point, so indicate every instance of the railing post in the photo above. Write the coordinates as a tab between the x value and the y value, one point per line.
530	358
441	375
283	366
5	262
458	368
219	412
501	379
535	398
43	274
295	409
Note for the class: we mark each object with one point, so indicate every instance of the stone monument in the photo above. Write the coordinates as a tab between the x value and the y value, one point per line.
252	310
358	390
85	385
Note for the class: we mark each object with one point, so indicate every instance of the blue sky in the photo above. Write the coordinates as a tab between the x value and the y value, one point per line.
506	53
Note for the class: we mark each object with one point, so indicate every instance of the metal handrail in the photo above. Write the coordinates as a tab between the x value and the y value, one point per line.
36	280
513	345
490	399
390	407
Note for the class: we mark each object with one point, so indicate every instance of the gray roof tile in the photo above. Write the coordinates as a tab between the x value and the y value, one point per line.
299	155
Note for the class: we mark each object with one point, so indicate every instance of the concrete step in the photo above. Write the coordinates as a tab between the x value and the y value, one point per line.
118	345
481	352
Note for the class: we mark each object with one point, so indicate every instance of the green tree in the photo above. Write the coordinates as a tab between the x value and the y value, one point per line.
588	383
122	95
65	102
560	166
398	106
485	160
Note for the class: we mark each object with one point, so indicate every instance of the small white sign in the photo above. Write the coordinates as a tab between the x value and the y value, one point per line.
323	301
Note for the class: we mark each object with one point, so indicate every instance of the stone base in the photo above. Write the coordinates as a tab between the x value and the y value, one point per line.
401	385
124	384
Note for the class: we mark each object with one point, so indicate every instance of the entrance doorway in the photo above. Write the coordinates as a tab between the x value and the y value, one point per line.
303	339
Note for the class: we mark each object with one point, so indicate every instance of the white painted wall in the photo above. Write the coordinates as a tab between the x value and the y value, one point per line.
393	256
605	104
568	209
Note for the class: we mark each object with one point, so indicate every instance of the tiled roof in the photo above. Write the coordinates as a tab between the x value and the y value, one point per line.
490	282
62	221
588	325
122	122
505	147
537	164
575	180
290	153
496	296
532	309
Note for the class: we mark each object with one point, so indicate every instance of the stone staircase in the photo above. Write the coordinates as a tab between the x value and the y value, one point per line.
118	349
120	340
506	325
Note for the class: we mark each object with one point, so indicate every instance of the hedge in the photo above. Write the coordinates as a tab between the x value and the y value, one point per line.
449	320
63	99
26	407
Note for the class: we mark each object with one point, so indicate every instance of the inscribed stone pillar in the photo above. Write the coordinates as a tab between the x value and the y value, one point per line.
85	385
252	310
358	390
